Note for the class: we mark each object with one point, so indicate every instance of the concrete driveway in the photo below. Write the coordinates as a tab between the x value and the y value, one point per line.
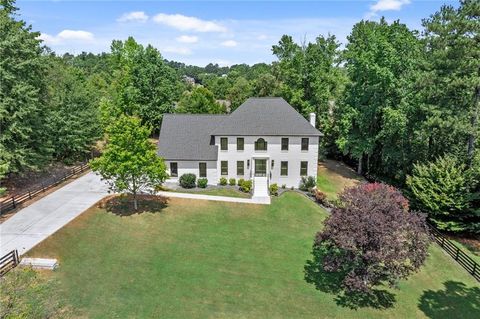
31	225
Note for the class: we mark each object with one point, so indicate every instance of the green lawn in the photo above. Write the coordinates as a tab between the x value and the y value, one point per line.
202	259
226	191
333	177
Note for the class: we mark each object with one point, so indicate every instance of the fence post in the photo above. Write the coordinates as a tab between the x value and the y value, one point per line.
43	187
29	194
474	269
13	202
443	242
456	253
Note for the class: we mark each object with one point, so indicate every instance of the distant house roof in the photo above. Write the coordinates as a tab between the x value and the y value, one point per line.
268	117
188	136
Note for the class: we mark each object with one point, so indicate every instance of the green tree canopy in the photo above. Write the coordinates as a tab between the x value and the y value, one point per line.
200	100
130	162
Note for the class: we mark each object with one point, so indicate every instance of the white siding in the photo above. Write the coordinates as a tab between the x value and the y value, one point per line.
185	167
293	156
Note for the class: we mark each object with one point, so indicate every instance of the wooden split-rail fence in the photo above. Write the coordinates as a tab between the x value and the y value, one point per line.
12	202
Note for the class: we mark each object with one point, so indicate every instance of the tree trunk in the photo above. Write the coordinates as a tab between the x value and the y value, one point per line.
360	165
474	123
135	206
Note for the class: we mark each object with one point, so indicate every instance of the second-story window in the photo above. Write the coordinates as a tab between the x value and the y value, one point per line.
305	142
240	142
284	143
223	143
260	145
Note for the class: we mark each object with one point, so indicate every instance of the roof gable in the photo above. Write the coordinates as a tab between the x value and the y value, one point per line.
267	117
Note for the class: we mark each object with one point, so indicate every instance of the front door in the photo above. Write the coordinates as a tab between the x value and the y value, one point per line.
260	167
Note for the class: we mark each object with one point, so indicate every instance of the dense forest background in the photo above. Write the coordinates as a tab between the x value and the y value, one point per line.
400	105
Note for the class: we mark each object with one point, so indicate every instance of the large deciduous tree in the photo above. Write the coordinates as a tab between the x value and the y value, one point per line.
144	85
312	81
74	116
378	121
372	238
199	100
130	162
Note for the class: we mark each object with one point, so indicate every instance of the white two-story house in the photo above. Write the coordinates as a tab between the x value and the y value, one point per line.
265	139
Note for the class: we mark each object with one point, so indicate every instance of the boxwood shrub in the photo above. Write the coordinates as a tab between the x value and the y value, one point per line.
187	180
202	182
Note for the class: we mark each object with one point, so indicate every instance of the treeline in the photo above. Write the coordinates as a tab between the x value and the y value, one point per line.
400	105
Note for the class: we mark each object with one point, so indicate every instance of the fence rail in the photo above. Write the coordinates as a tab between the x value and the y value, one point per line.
8	262
14	201
459	255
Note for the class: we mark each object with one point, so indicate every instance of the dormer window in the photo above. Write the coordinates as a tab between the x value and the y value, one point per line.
260	145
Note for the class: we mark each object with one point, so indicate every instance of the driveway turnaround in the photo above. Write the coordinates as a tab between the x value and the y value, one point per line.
34	223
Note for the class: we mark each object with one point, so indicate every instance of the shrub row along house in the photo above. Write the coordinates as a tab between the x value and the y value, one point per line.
265	140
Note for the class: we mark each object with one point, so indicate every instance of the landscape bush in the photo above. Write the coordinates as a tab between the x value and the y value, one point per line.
187	180
444	189
202	182
223	181
284	186
307	183
240	181
246	186
321	197
273	189
232	182
372	239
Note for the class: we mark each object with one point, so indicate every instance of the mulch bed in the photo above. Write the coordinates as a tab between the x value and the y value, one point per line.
122	205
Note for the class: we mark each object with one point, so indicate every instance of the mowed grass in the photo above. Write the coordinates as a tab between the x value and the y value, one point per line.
224	191
202	259
333	177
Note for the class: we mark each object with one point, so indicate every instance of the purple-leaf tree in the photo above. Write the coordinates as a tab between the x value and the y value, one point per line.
372	238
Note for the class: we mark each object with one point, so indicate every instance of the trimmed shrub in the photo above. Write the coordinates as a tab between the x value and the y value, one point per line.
187	180
246	186
273	189
284	186
202	182
223	181
320	197
443	190
240	181
307	183
232	182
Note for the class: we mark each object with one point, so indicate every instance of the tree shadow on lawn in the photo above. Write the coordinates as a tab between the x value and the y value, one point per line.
330	282
122	205
457	300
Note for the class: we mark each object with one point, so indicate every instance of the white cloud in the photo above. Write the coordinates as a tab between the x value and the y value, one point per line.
134	16
67	35
187	39
178	50
229	43
386	5
262	37
185	23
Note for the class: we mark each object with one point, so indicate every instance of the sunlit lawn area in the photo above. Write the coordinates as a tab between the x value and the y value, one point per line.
222	191
202	259
334	176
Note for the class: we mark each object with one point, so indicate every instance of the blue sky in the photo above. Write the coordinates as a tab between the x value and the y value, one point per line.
197	32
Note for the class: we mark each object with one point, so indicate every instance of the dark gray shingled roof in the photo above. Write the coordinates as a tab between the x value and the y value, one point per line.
187	136
266	116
